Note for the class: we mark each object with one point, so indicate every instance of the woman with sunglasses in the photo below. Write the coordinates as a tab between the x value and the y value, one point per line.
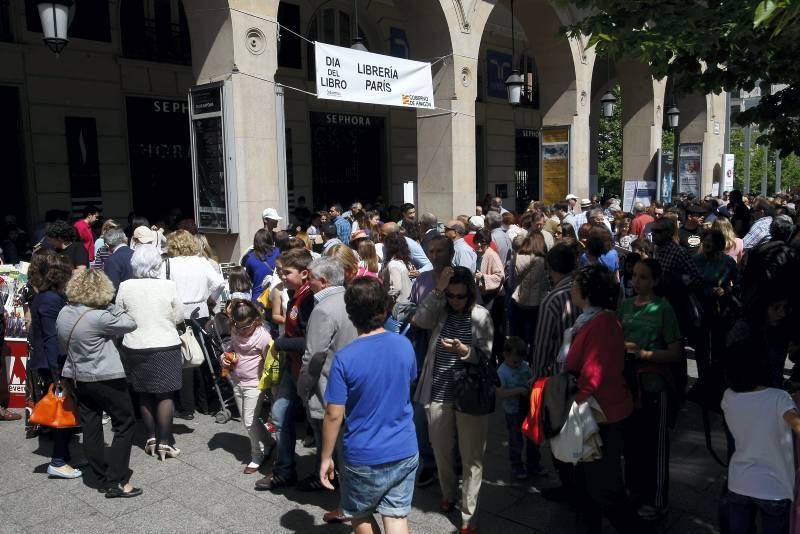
461	331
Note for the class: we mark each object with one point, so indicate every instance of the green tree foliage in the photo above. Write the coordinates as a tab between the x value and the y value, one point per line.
710	46
609	149
790	165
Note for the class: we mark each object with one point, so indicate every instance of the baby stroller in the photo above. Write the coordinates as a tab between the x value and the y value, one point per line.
215	334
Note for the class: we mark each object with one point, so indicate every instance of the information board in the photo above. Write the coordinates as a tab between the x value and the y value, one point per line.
555	163
213	167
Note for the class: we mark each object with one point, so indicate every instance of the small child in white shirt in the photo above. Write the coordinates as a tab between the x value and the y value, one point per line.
761	470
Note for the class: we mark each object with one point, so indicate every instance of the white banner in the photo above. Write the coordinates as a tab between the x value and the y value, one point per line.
356	76
728	162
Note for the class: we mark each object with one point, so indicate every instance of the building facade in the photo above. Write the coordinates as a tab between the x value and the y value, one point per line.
107	121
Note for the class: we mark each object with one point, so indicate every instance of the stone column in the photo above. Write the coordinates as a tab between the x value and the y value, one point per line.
642	116
446	144
580	133
233	41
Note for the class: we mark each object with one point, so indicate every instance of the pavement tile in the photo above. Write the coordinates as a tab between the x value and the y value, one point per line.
164	516
28	508
113	508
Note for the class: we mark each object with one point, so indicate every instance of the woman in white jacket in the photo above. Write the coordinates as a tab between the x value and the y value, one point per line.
152	359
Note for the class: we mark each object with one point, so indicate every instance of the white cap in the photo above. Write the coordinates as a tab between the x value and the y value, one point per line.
476	221
570	197
271	213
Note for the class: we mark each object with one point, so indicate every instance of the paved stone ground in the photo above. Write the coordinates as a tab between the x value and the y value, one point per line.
204	490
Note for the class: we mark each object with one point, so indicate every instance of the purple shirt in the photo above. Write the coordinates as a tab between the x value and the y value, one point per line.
424	284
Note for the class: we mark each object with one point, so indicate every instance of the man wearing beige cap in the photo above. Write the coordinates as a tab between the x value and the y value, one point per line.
572	200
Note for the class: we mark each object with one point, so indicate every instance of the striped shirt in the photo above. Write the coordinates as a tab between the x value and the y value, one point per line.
556	313
456	326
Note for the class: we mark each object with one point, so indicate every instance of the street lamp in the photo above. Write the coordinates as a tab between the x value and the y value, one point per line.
607	103
357	43
673	116
514	82
55	21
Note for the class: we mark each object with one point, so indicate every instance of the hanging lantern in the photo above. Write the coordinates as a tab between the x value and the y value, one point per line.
514	84
607	103
55	21
358	44
673	116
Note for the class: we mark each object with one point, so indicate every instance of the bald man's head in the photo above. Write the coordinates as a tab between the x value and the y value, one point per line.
389	228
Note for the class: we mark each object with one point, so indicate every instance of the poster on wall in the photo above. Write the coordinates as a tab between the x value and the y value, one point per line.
690	168
84	163
728	164
667	179
213	166
637	191
498	68
555	163
355	76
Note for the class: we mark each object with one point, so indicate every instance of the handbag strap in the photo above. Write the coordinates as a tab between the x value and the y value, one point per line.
69	338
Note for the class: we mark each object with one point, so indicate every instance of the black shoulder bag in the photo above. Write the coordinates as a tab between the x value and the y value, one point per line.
475	387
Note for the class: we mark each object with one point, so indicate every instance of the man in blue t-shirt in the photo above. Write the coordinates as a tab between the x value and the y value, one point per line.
370	383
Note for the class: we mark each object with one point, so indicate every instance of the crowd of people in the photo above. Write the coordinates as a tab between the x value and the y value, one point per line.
394	331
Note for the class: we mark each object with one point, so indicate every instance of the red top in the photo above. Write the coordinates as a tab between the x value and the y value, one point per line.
597	358
85	236
639	222
470	239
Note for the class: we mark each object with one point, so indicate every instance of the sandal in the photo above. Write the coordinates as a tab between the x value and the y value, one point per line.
150	447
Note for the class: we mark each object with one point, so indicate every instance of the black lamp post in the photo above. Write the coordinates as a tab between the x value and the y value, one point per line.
514	82
357	43
55	21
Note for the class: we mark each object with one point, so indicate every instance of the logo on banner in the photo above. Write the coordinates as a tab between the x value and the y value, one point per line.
418	101
16	374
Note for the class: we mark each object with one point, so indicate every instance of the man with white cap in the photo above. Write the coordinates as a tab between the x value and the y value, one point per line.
580	216
572	201
271	218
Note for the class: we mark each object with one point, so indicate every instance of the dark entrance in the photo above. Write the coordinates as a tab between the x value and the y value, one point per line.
348	154
161	172
527	167
13	198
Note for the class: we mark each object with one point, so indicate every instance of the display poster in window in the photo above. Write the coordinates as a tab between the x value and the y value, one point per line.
213	173
690	168
667	178
728	164
356	76
555	163
637	191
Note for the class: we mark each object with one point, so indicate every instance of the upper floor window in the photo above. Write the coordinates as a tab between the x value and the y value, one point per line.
5	21
530	77
155	30
90	20
289	50
332	26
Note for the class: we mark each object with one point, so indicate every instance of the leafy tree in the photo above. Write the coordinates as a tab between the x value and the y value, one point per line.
790	165
710	46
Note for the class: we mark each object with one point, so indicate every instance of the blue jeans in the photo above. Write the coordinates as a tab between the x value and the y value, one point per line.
282	417
61	438
386	488
516	442
741	512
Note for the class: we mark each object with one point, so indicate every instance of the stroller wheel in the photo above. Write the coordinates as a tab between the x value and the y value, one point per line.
223	416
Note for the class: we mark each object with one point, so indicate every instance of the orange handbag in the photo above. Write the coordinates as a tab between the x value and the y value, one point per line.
56	409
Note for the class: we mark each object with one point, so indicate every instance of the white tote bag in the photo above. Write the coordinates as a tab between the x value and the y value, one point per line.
190	349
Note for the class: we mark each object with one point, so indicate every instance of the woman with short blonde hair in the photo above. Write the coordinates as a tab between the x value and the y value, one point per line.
87	330
182	243
197	282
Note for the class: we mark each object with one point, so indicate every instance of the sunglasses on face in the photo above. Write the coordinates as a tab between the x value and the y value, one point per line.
456	296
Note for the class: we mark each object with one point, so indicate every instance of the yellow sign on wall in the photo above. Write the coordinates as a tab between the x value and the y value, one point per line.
555	163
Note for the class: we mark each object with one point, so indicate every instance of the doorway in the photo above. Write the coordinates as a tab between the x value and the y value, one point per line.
13	200
348	155
527	167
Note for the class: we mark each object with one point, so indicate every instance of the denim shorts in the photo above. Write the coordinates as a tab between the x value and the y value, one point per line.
384	488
